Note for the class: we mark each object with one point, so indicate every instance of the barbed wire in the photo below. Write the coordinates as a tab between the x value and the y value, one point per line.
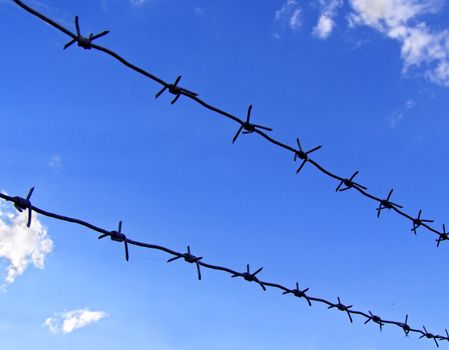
246	127
24	204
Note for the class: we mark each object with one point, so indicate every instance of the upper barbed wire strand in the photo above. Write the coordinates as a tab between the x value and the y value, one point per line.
86	43
120	237
253	128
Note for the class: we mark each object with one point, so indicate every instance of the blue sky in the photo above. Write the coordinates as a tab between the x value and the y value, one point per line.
367	80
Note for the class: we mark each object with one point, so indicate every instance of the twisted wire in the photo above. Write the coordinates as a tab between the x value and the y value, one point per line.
246	275
246	127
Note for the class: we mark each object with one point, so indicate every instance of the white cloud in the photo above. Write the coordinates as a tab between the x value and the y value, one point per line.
290	13
383	14
138	2
398	19
295	21
21	246
66	322
326	21
55	163
324	27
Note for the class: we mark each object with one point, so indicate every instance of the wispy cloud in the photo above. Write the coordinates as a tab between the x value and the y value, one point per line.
324	26
410	104
68	321
104	4
399	20
398	115
326	22
396	118
290	13
138	2
21	246
55	163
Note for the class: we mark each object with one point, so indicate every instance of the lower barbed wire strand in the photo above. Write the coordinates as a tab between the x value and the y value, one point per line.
250	277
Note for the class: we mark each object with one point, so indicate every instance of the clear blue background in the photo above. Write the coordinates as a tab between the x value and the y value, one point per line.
174	178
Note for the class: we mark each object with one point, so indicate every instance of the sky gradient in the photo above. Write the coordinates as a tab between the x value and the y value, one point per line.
367	81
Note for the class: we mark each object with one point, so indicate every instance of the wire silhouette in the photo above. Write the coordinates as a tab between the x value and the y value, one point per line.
84	42
176	90
118	236
248	127
245	126
248	276
304	156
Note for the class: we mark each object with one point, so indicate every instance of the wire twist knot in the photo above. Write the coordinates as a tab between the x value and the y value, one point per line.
405	327
22	204
303	155
443	236
375	319
299	293
429	335
192	259
349	183
118	236
176	90
83	41
387	204
247	127
342	307
250	277
417	222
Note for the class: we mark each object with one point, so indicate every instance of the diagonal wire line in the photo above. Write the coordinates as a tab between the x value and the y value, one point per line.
117	236
245	127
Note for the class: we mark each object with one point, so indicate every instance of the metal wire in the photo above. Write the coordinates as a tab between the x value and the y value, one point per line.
247	275
246	127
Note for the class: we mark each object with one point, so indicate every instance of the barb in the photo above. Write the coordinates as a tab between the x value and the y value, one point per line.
429	335
176	90
22	204
84	42
405	327
303	155
299	293
248	276
349	183
118	236
418	222
443	236
387	204
190	259
342	307
375	319
245	126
